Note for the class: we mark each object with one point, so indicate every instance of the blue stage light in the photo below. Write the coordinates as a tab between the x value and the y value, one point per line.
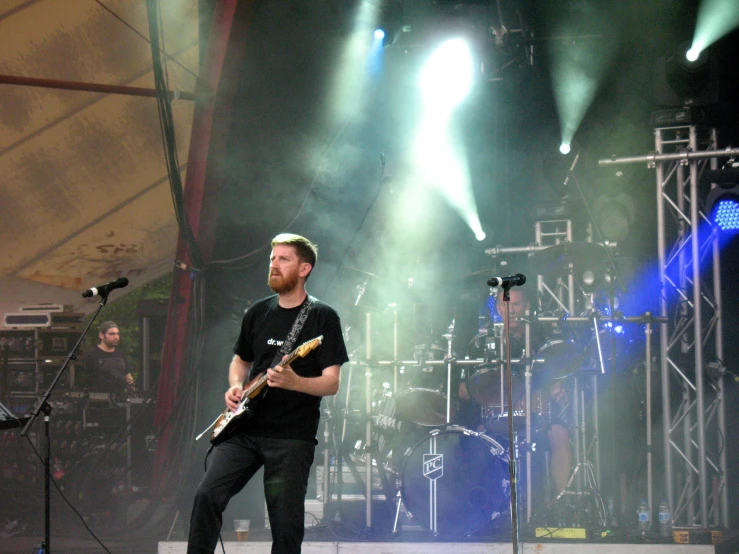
726	214
379	34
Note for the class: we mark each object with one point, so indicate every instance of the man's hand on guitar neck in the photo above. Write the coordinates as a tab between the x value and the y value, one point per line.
283	377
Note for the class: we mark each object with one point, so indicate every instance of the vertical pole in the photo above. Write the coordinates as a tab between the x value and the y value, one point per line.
698	330
663	327
720	391
648	371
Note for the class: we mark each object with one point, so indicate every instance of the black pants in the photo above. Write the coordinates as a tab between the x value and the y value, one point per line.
286	463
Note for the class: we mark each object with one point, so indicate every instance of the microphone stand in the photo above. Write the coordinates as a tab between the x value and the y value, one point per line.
512	470
45	407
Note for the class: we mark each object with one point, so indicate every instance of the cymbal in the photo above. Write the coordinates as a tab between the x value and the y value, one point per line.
558	257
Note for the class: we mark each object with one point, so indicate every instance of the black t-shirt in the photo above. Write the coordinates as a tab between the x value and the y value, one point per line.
103	371
283	413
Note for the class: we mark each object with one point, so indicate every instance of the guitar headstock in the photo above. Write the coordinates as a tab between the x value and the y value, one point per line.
304	349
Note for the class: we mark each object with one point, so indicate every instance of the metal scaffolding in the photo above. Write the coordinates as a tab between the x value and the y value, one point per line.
691	345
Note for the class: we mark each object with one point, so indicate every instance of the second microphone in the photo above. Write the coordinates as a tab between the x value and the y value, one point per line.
513	281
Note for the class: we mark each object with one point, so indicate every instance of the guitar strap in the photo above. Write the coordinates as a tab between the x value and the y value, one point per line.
292	336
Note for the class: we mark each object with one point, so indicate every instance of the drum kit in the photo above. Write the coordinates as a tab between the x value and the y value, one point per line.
434	424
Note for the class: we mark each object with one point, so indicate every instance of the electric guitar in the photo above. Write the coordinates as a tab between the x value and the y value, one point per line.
252	393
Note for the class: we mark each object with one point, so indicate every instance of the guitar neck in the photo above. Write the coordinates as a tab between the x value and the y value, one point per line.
263	379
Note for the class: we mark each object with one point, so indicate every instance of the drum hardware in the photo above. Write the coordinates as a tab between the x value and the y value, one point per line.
582	495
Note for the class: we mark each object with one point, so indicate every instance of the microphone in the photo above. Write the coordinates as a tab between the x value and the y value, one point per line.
572	168
513	281
104	290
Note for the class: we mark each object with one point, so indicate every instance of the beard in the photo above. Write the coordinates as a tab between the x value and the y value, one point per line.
282	283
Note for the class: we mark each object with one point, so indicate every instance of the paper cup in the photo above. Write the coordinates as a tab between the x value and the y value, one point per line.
242	529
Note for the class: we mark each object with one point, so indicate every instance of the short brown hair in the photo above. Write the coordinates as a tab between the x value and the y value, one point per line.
107	326
306	250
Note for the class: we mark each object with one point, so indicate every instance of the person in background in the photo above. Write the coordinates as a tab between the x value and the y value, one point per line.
105	365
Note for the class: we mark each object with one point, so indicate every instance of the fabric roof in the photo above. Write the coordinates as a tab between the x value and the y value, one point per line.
85	193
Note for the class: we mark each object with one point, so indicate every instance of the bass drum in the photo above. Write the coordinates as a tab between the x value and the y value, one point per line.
456	481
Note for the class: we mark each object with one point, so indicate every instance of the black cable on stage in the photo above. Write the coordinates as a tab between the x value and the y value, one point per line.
66	500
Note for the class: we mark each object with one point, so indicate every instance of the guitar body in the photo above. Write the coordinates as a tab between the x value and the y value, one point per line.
252	393
224	425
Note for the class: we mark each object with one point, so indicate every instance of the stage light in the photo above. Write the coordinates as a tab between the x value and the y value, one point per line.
693	54
480	235
578	64
564	148
446	79
722	202
722	205
687	76
716	19
379	34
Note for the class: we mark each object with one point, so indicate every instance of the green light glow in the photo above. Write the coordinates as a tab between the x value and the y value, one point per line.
578	65
716	18
348	81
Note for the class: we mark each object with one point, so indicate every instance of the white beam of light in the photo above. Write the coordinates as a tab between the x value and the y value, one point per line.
716	18
578	65
445	81
360	52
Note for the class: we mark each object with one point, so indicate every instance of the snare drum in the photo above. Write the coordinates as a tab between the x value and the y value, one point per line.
456	481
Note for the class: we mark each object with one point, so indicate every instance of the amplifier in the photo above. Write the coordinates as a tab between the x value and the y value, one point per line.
40	320
21	377
25	320
20	344
56	344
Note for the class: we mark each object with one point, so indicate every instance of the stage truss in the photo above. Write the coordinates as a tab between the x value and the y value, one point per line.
691	343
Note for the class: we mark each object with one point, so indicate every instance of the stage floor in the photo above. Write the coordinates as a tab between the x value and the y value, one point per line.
259	547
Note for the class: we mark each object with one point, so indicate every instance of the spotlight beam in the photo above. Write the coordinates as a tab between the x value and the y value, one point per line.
445	81
716	19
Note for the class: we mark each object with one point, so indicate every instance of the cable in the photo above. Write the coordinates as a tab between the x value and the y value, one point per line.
66	500
166	122
130	26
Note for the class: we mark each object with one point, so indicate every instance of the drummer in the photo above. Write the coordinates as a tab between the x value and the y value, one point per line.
558	434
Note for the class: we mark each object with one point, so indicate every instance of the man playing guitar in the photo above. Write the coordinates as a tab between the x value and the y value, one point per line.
280	435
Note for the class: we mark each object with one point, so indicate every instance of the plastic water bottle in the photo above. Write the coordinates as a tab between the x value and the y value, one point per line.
644	516
665	519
